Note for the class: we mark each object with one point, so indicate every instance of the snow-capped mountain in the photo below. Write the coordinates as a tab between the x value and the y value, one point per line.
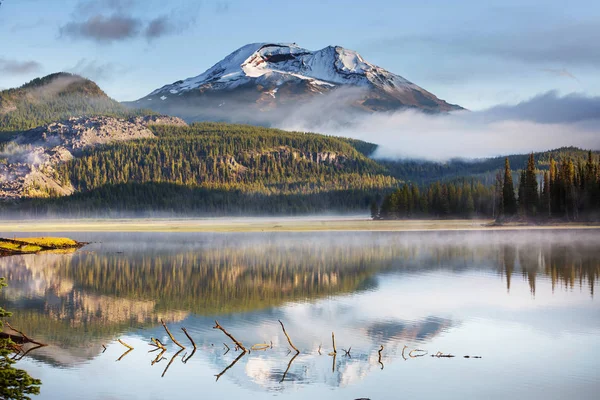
263	78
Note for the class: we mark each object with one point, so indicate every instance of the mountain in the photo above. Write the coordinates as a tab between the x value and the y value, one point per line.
260	81
56	97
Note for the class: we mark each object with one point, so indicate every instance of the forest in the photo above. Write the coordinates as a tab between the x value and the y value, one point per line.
566	189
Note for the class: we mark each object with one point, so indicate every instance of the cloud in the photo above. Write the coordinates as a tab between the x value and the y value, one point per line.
109	21
95	70
158	27
13	67
544	122
560	72
103	29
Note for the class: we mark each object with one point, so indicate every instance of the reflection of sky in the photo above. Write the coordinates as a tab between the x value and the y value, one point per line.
542	345
533	346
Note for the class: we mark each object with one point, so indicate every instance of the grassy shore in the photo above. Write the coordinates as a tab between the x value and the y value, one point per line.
266	225
10	246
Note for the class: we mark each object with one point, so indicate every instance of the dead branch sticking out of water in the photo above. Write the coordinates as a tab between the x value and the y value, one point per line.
104	347
288	367
170	335
189	337
379	360
288	338
230	365
472	357
125	344
319	351
417	353
333	341
237	343
404	348
20	340
157	343
170	362
225	344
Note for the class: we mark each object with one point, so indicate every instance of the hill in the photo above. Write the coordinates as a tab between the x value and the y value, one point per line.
262	83
53	98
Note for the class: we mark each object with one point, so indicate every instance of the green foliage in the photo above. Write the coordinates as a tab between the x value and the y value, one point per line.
222	168
14	383
570	191
55	97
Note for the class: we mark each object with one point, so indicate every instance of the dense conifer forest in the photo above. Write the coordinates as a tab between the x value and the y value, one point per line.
565	189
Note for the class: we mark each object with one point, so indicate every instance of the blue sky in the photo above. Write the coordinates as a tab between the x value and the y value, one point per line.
473	53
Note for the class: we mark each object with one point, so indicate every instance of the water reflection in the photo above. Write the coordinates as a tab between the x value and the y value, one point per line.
429	291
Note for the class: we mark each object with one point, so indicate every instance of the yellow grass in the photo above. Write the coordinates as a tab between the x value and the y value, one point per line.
56	242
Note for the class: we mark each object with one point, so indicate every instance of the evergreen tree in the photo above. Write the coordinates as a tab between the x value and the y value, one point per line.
508	191
531	188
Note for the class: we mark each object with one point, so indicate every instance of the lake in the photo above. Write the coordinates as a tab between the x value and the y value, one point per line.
525	302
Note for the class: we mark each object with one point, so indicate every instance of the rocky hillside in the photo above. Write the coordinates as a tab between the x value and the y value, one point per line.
28	162
263	82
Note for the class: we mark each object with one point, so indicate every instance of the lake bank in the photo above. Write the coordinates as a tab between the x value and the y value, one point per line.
271	224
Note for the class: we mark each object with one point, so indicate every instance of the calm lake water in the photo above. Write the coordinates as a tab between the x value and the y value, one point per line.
525	302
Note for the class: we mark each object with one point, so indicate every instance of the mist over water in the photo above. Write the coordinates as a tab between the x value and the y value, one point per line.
512	298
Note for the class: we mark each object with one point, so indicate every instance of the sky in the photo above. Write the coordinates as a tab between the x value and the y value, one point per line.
478	54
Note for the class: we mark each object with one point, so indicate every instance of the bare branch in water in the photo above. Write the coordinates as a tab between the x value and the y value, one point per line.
288	367
288	338
170	362
237	343
170	335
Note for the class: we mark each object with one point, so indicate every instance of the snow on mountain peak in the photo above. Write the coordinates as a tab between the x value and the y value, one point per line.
331	66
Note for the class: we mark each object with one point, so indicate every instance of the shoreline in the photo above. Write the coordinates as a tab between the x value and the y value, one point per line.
271	224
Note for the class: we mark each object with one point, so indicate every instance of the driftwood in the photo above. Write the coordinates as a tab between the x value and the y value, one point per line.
319	350
157	343
225	344
125	344
104	347
170	362
288	367
189	337
170	335
420	353
260	346
23	339
237	343
379	360
404	348
288	338
242	354
334	352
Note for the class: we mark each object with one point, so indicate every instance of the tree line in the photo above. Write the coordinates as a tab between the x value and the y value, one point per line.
567	190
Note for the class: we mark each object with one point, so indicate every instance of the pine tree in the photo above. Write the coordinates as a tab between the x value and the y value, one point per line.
508	191
531	188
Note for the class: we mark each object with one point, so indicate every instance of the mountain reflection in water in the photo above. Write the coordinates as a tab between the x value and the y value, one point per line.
435	291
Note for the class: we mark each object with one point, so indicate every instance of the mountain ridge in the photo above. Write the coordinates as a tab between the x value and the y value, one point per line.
268	78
